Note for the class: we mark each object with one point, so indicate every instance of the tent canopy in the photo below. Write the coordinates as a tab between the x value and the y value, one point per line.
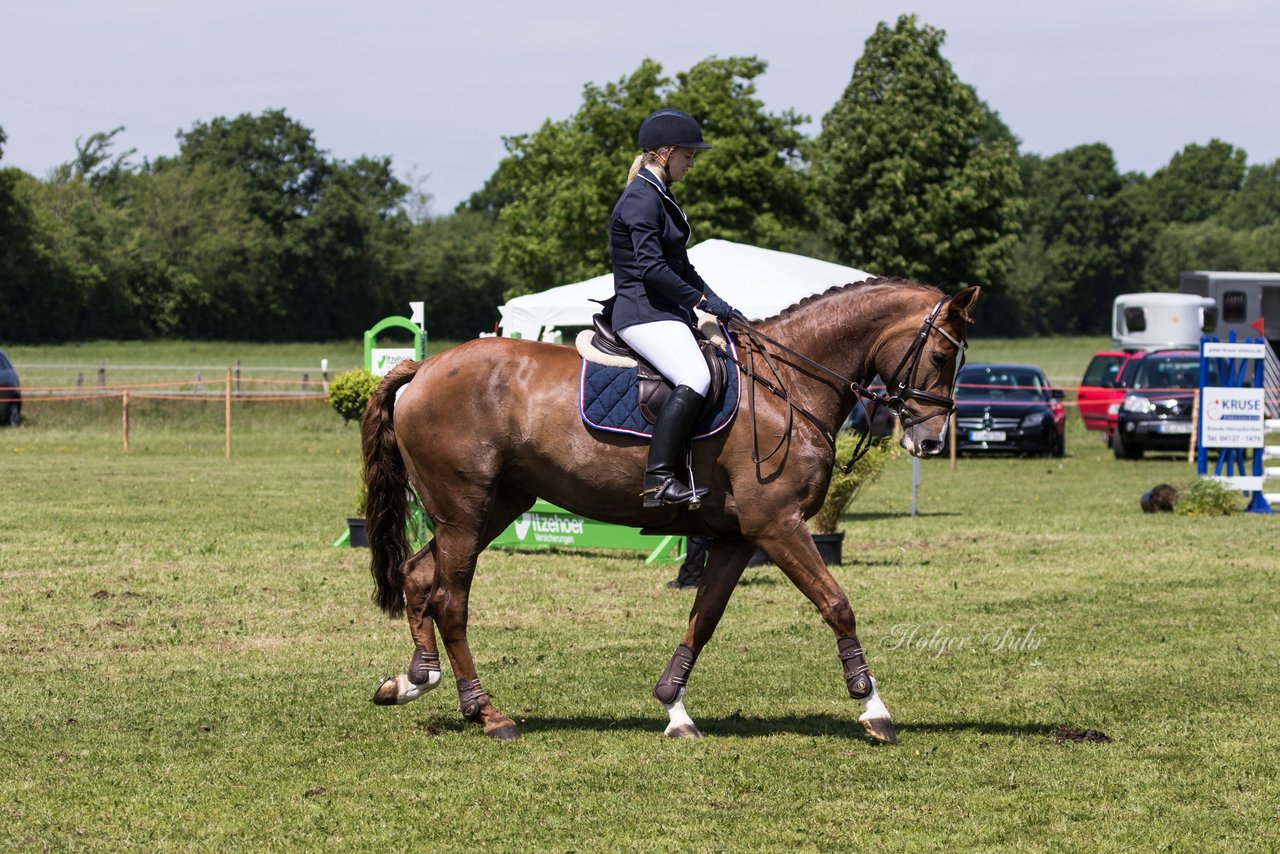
757	282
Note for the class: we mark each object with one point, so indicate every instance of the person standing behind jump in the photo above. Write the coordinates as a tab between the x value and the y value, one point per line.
656	290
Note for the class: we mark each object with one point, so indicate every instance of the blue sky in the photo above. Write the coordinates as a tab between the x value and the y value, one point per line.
436	86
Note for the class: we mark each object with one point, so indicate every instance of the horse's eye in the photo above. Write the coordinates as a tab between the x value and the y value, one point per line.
939	359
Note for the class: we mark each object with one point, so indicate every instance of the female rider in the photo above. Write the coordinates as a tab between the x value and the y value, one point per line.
656	290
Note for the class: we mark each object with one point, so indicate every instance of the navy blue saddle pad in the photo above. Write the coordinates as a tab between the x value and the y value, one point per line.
608	400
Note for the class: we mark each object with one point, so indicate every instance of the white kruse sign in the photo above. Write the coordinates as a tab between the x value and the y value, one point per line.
1232	417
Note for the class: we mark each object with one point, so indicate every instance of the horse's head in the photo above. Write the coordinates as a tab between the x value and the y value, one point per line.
918	362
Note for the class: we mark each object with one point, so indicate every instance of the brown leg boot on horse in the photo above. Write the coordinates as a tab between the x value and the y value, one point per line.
662	487
423	673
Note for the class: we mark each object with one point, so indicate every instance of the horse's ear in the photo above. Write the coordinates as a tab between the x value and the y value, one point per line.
962	302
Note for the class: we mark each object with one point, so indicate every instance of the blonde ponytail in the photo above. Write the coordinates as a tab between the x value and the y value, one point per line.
637	165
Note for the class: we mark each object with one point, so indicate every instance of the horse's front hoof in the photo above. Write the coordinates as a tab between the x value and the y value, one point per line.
503	732
682	731
881	730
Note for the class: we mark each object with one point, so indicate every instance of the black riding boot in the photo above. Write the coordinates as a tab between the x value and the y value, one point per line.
666	451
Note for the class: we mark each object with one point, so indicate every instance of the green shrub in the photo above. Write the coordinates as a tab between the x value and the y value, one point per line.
349	393
845	487
1207	497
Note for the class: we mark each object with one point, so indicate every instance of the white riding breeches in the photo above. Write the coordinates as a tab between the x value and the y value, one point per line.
669	346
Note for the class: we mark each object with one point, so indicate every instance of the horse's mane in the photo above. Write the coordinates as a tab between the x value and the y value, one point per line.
877	281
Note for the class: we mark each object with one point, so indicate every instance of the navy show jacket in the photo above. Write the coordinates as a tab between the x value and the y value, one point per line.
652	276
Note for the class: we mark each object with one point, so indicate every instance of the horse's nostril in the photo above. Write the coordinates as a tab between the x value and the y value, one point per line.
931	447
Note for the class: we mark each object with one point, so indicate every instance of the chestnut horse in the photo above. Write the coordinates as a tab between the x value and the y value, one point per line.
482	430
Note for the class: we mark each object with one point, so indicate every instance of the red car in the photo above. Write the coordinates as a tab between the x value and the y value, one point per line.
1101	391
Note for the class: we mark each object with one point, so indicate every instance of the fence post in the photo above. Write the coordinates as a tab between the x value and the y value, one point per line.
951	435
124	407
1195	421
228	411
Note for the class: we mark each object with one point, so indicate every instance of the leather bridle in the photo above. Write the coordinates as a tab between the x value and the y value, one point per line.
905	389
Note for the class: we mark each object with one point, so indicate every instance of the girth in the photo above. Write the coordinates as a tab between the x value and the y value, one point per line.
653	389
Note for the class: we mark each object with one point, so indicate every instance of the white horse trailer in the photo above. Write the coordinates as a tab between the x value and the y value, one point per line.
1159	321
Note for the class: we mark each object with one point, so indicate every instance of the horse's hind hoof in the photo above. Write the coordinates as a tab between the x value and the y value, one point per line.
398	690
881	730
682	731
506	732
387	693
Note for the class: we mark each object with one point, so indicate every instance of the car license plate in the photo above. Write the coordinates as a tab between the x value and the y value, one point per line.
1175	427
986	435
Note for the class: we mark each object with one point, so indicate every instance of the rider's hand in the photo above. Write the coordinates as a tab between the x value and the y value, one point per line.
712	304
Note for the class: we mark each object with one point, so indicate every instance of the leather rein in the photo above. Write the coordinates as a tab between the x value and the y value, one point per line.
904	391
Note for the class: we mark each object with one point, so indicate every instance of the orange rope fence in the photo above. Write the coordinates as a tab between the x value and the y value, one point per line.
219	390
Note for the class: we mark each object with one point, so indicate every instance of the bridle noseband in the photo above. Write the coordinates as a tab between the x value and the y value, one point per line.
905	389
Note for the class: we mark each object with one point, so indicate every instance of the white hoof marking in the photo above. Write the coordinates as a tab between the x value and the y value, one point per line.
873	707
407	691
681	725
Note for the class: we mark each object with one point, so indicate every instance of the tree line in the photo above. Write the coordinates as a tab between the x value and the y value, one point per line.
252	232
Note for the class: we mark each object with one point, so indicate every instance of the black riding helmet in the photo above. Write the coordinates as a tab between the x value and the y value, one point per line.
670	127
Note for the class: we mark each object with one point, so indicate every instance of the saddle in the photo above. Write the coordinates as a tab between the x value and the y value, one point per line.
653	388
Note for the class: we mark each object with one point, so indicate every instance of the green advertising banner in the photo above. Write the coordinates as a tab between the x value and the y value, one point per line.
547	526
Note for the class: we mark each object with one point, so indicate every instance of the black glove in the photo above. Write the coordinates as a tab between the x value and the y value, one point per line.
721	309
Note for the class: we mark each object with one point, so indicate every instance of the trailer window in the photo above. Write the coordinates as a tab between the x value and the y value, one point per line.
1233	307
1135	319
1209	319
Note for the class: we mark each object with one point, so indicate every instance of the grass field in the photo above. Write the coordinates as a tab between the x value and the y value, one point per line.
186	663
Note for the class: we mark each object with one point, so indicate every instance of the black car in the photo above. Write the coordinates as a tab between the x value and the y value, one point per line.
1009	408
1155	415
10	394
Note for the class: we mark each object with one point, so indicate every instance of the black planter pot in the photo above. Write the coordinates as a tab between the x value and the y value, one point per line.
829	546
356	535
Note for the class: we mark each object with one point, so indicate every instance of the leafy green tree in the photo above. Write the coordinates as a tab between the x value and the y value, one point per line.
1034	299
18	260
276	156
344	257
752	186
452	259
1260	248
1093	235
1196	184
83	233
330	259
199	255
554	191
1257	202
62	260
914	176
107	172
1192	246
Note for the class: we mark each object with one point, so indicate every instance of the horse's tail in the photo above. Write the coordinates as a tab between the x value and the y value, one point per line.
386	482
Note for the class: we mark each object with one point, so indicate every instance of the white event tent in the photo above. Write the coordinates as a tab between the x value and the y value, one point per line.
757	282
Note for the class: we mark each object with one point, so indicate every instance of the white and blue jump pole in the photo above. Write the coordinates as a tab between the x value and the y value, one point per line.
1232	416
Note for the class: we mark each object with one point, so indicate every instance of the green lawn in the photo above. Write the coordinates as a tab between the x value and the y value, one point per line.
186	663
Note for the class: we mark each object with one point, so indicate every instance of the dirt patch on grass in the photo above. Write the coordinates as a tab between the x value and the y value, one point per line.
1066	733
